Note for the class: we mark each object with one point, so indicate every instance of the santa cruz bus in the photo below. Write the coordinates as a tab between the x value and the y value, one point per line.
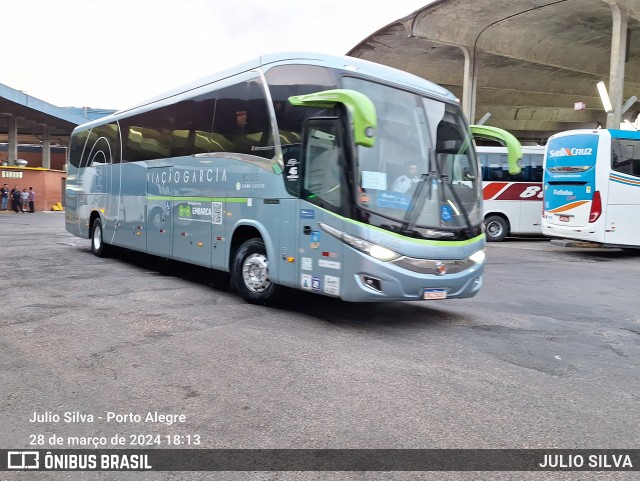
280	171
512	202
592	187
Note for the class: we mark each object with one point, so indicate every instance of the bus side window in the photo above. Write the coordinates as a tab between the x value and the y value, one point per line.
536	173
523	176
482	158
242	119
520	177
496	172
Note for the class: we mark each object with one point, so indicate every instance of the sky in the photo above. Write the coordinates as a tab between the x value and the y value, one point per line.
111	54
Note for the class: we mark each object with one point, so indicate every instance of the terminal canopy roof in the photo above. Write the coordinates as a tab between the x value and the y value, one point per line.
34	118
533	62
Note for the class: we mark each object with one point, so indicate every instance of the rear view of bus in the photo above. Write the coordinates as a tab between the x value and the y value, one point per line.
592	187
572	205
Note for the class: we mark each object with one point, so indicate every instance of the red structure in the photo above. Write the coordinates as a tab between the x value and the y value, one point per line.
48	184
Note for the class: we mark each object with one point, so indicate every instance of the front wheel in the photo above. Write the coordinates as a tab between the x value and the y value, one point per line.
98	247
251	273
496	227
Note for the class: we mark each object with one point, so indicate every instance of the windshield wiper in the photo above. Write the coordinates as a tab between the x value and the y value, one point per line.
456	198
427	181
418	199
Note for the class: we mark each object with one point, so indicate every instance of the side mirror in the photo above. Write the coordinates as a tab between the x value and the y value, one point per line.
361	109
514	148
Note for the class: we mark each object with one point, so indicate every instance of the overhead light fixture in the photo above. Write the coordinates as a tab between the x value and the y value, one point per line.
484	118
627	105
604	96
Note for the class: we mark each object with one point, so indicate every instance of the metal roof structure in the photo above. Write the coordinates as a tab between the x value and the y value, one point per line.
34	118
527	63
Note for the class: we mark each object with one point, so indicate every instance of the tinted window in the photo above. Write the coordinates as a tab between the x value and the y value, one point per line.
232	119
148	135
99	145
241	122
625	156
288	80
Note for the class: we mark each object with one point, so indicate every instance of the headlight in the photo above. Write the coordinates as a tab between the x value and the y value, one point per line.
478	257
374	250
382	253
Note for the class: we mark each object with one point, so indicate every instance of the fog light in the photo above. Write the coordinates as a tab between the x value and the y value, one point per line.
372	283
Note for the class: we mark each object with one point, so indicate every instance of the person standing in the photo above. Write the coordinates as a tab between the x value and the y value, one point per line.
16	199
32	200
24	200
4	196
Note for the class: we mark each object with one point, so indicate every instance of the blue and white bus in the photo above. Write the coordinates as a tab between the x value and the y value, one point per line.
592	187
281	172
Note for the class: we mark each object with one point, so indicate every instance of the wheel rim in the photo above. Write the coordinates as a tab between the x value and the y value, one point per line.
494	229
97	238
255	274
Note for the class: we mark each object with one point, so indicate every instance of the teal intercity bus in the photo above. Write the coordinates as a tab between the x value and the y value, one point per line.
281	172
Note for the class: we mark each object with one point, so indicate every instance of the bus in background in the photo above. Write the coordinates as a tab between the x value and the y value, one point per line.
282	172
592	188
512	203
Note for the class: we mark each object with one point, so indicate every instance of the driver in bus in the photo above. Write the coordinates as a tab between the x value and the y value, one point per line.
407	180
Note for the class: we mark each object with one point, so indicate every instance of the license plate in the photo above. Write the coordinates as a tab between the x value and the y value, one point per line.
564	218
430	294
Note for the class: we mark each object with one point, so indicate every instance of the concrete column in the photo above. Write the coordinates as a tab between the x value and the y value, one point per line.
469	85
46	148
13	140
620	19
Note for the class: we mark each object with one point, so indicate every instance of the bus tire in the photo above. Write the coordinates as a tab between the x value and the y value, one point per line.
251	273
496	228
98	247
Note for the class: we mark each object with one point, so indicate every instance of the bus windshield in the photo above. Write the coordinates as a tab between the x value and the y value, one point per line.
421	175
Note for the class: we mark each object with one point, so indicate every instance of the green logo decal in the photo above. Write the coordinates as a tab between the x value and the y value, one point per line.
184	210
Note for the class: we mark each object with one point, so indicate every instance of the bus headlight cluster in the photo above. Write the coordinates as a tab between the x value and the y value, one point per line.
374	250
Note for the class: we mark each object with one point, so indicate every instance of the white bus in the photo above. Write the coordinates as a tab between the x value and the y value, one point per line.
512	203
592	187
281	172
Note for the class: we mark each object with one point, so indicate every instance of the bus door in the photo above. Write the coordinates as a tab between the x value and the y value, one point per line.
159	211
324	197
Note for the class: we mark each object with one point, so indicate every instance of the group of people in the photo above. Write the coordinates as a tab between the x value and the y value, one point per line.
20	199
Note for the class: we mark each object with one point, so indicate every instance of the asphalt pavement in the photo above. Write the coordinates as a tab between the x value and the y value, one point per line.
546	356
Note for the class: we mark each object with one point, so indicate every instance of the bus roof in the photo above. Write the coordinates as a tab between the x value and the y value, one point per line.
526	149
365	67
618	134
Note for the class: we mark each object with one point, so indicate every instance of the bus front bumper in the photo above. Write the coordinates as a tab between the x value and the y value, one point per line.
376	281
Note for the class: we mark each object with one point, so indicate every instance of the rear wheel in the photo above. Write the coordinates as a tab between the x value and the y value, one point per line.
496	227
98	247
251	273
